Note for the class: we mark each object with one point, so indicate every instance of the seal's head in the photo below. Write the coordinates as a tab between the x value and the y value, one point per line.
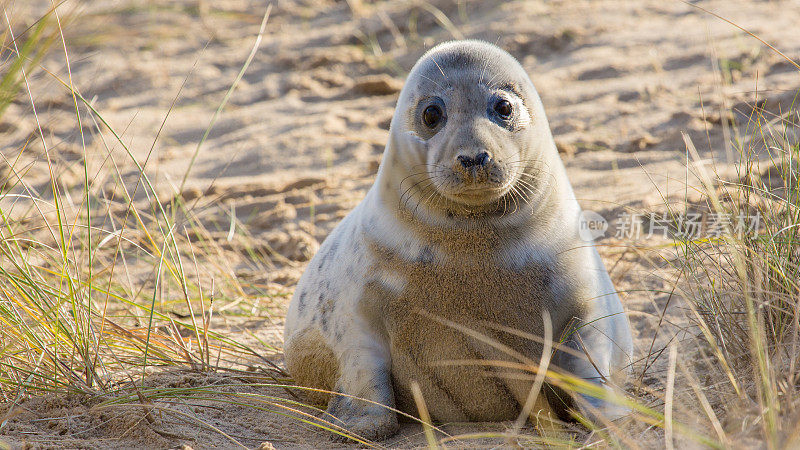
470	130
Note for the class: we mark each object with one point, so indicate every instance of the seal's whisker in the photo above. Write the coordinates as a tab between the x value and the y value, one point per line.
533	177
440	68
531	188
408	190
505	205
483	70
426	198
413	175
410	193
427	164
430	178
515	195
409	178
526	193
529	167
530	161
413	209
432	81
528	183
489	83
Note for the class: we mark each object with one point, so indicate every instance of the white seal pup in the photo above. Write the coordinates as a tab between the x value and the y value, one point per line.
471	223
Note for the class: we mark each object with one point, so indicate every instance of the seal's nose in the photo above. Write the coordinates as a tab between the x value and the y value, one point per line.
480	160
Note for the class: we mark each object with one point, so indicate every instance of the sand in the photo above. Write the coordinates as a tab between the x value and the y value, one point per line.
300	141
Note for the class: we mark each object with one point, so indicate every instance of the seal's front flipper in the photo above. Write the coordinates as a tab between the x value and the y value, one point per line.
591	354
364	401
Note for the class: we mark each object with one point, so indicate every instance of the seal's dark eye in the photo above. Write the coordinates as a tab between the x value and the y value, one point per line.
432	116
503	108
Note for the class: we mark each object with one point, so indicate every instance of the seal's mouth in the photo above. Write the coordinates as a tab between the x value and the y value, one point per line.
479	194
473	190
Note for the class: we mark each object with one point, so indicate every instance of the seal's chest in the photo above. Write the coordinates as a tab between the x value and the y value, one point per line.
441	328
471	295
478	288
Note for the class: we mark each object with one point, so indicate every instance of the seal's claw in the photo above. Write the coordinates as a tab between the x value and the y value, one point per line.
372	423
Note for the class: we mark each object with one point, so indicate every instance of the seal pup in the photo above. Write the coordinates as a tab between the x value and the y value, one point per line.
471	224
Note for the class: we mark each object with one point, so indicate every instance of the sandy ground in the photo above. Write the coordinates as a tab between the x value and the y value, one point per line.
301	139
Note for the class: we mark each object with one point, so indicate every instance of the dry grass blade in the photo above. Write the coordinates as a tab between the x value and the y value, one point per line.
227	96
424	415
750	33
99	302
544	362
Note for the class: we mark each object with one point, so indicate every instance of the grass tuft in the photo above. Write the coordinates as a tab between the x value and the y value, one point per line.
104	281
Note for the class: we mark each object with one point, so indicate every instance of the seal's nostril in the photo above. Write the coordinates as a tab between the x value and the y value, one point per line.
482	159
466	161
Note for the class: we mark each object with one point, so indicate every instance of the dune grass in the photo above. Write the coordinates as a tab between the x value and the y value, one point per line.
743	286
74	318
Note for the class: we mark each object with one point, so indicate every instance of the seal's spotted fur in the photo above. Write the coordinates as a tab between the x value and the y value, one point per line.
392	294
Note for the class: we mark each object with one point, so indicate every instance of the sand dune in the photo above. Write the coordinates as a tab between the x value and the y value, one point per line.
301	139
